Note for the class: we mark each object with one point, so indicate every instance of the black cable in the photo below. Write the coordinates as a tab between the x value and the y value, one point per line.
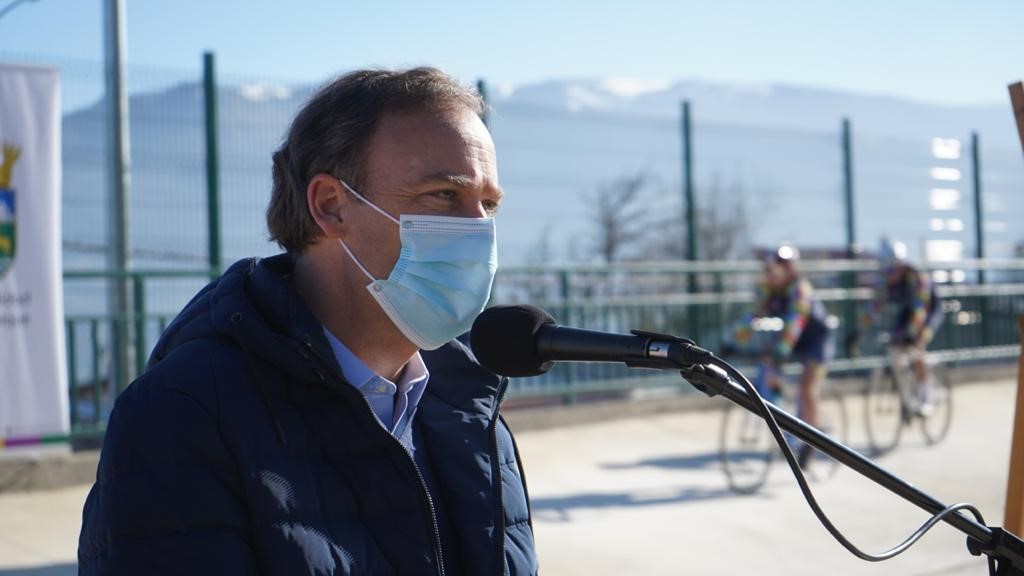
773	426
12	6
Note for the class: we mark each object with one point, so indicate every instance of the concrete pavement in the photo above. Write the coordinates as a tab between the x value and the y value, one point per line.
646	495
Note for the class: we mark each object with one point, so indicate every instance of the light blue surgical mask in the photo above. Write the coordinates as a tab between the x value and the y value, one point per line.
442	279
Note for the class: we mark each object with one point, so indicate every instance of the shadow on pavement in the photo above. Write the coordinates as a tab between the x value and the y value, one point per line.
712	460
54	570
688	462
557	509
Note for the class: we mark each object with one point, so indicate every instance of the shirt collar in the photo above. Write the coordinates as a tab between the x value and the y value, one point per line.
414	374
413	378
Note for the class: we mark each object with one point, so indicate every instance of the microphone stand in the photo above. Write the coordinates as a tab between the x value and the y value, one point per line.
997	543
710	375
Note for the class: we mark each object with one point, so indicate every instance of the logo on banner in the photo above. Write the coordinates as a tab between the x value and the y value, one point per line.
8	244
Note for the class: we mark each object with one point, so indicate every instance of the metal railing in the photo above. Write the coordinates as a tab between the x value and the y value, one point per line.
979	324
980	319
91	338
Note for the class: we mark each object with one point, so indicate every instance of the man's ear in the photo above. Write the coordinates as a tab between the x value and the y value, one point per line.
328	204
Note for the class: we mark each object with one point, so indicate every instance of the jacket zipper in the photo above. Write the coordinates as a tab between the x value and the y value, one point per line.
436	532
496	475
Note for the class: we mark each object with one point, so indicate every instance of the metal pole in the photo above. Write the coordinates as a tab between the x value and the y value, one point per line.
689	205
849	278
851	230
139	286
481	88
979	219
97	386
120	178
979	236
72	376
565	289
212	165
690	216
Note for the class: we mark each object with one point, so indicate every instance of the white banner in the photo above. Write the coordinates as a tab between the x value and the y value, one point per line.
33	370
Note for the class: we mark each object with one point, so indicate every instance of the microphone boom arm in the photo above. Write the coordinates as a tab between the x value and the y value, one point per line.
714	379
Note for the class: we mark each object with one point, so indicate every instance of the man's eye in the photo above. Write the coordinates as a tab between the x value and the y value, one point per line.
490	206
445	194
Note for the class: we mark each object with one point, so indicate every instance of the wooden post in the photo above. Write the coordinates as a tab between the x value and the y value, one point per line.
1014	517
1017	101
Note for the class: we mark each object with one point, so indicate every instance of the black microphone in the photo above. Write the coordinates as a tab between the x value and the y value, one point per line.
524	341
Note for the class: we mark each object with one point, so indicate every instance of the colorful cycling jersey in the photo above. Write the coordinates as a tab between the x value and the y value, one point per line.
913	294
805	329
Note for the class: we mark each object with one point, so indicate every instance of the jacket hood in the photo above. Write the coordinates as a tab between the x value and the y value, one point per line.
254	306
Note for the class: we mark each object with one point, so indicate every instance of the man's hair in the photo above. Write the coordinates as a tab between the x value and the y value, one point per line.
330	135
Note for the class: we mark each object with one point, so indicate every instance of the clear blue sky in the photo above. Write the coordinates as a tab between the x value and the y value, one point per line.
950	52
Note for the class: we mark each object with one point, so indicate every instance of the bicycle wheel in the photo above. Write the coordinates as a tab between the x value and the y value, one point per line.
832	421
884	414
936	424
746	449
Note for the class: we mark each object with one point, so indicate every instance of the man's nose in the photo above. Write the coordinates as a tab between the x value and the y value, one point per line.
473	209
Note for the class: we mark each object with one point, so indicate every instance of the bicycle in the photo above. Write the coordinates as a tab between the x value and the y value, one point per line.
747	448
893	402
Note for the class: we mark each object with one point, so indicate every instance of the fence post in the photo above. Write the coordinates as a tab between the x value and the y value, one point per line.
97	389
120	182
212	165
565	288
851	230
72	380
689	207
139	315
481	89
979	233
849	279
1014	513
690	216
979	216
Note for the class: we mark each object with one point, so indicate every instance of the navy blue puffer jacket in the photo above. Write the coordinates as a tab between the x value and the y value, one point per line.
241	450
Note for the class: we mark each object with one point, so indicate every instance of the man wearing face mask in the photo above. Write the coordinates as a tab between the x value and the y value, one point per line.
313	413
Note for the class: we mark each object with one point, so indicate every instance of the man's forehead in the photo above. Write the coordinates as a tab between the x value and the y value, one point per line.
452	148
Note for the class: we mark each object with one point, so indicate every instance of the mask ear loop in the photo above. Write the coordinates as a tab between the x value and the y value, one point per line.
371	204
375	207
354	259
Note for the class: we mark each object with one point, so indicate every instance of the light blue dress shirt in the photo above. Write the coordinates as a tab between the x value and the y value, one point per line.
394	403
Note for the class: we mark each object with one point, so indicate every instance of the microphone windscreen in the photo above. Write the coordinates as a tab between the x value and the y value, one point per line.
504	340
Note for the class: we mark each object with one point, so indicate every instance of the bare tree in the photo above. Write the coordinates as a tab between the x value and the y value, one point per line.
723	226
620	217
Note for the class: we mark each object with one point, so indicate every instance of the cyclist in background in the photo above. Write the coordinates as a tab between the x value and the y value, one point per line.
804	335
918	315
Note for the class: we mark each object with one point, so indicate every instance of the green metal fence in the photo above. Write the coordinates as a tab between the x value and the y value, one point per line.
91	338
979	318
201	149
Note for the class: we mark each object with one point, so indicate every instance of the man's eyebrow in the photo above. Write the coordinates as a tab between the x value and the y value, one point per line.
454	179
460	180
